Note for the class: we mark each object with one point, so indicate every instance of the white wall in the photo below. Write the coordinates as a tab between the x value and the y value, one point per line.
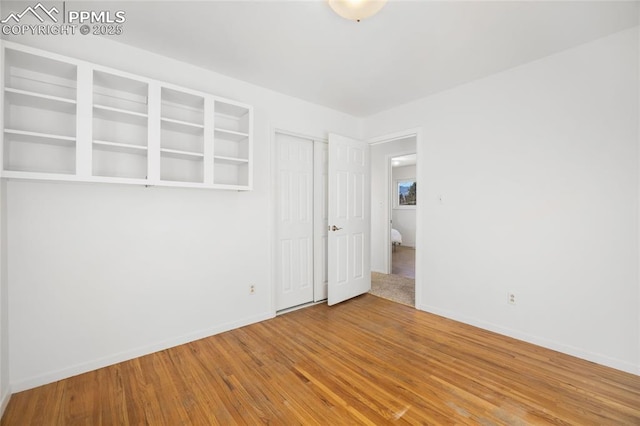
404	219
380	197
538	166
102	273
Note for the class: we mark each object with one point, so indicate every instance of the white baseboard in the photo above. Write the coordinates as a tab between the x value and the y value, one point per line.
64	373
295	308
549	344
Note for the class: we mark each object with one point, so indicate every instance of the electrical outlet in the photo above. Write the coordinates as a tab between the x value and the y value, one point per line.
511	298
252	289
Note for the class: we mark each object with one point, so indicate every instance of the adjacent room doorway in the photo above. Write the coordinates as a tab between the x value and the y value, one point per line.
395	204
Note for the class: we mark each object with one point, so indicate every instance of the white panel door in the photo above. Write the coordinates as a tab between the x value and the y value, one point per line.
320	211
294	239
349	219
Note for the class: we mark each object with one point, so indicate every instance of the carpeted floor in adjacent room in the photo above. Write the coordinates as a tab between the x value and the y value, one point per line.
393	287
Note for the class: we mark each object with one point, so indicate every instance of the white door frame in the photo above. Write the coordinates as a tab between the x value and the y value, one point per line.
390	137
320	220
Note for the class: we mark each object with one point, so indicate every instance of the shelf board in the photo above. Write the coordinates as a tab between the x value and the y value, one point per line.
182	183
114	179
120	147
230	160
16	174
118	111
184	155
230	186
27	136
231	135
179	124
39	95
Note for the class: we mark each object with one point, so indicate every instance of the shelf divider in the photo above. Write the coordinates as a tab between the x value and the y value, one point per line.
154	132
209	123
84	121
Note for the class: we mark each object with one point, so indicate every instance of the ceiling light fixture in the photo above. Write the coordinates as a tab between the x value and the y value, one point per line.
356	10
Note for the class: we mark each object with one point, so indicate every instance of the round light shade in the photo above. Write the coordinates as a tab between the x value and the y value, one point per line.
356	10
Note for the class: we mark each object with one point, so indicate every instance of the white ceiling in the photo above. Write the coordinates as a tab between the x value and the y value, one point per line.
411	49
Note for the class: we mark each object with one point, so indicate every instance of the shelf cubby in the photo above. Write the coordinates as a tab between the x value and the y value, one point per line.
231	117
38	152
172	137
231	145
28	113
39	114
120	93
182	107
119	160
231	172
181	136
120	126
181	166
38	74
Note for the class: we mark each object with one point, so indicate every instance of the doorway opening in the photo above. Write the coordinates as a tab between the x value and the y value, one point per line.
394	195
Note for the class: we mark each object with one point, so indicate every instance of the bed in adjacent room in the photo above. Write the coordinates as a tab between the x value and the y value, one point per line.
396	238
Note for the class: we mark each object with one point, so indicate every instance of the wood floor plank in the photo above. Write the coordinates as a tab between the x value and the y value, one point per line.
365	361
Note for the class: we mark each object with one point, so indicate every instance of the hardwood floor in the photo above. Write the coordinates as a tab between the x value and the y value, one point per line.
365	361
403	261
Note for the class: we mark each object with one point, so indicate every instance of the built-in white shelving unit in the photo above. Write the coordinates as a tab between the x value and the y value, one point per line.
67	119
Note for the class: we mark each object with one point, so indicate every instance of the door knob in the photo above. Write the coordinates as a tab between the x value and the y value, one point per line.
335	228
